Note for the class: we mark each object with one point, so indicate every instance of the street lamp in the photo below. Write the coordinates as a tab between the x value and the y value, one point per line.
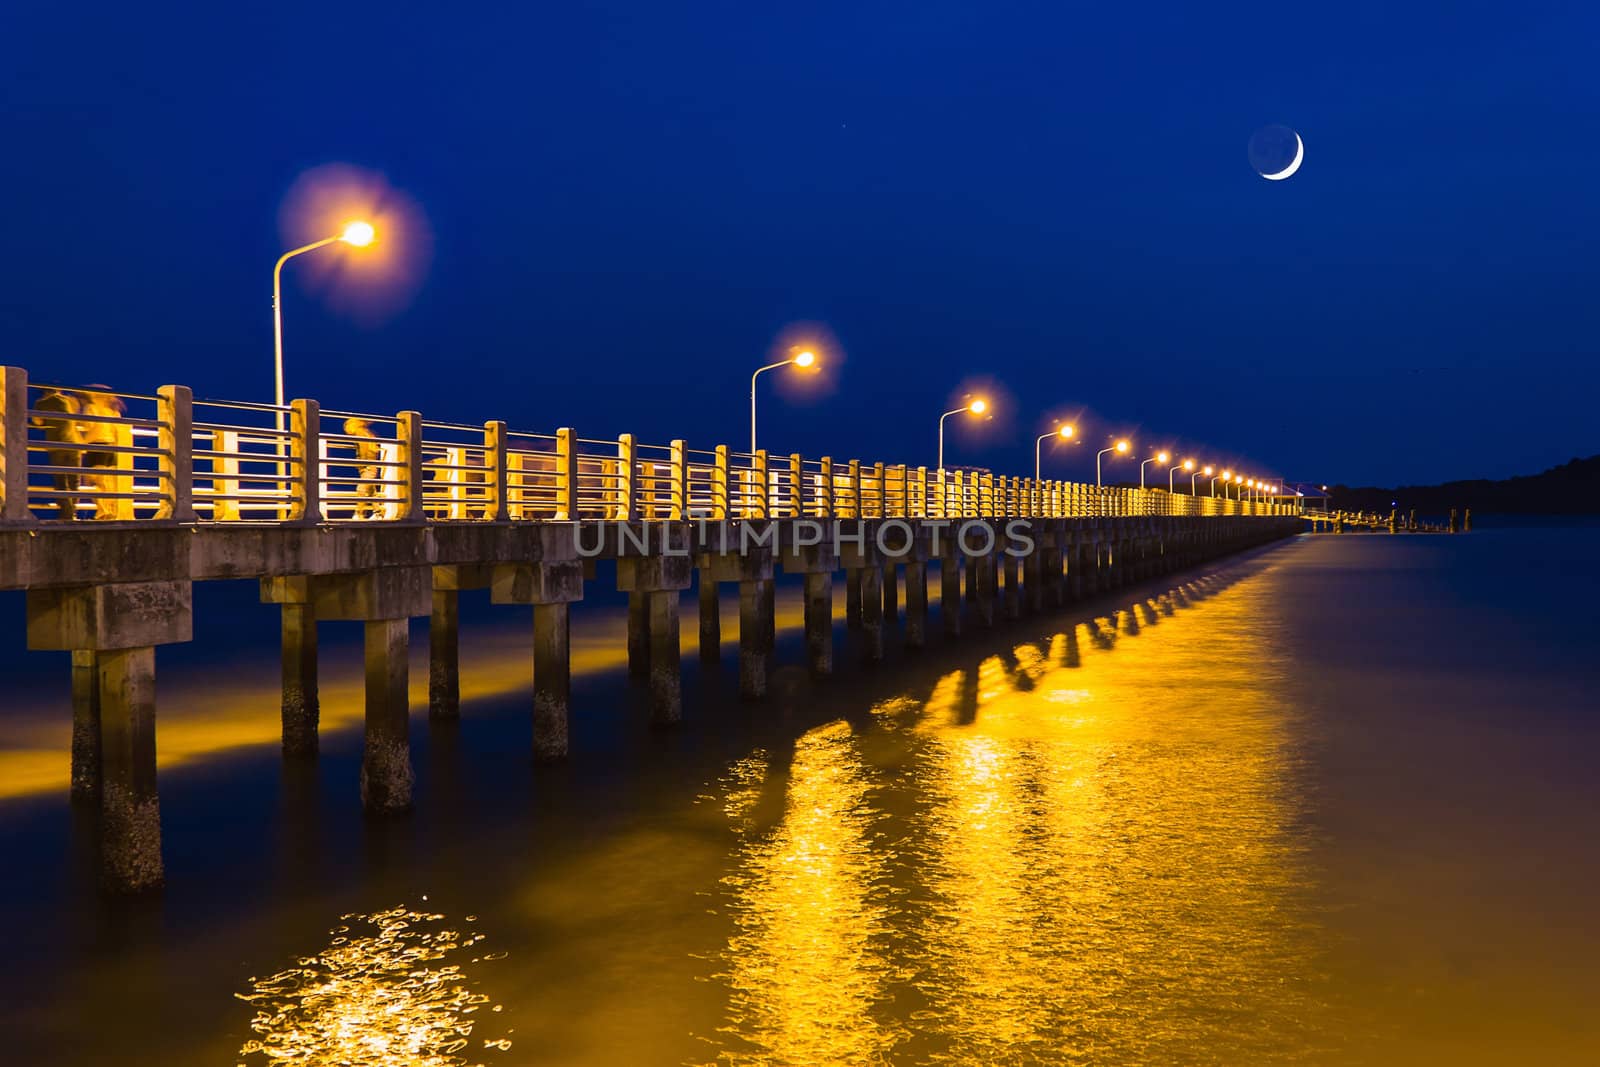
357	234
977	407
1193	491
1120	448
1159	457
1186	465
1064	431
802	359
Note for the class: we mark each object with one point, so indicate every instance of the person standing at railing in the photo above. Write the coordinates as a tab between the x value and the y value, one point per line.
59	428
368	452
103	404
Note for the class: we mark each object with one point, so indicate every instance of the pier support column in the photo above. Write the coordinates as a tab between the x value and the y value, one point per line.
891	593
852	597
666	682
916	603
753	650
112	631
985	571
710	615
130	807
552	681
871	612
85	727
1033	578
551	588
1013	595
444	652
386	775
1076	564
950	594
638	635
819	621
302	709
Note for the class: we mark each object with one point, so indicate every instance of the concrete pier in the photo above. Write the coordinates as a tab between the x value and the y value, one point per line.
552	681
386	775
85	727
444	652
819	621
130	808
666	682
1013	595
710	615
638	635
753	648
852	597
950	594
891	593
916	603
871	611
301	707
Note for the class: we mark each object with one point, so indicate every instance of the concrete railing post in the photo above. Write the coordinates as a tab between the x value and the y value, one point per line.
825	488
408	431
496	481
917	506
175	411
720	508
678	472
305	463
797	485
853	489
880	508
759	499
14	447
566	475
622	495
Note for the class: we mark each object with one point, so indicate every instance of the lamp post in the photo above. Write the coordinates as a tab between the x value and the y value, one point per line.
1159	457
802	359
1224	476
1186	465
1193	490
1120	448
977	407
356	234
1064	431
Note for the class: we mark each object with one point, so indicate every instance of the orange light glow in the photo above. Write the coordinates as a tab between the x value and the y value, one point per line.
1188	464
1162	457
805	359
978	407
1066	431
358	233
1122	446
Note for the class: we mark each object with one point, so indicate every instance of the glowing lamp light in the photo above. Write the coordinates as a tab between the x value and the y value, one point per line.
978	407
359	234
805	359
1207	469
1188	464
1066	431
1162	457
1122	446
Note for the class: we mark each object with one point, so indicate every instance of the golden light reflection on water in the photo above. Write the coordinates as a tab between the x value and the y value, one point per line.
378	994
1087	850
807	965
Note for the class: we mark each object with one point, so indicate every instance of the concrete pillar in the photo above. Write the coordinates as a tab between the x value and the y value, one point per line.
301	707
638	634
85	727
666	683
552	681
710	615
444	662
753	651
891	594
819	621
871	611
130	840
1077	565
950	594
916	603
985	570
1033	578
852	597
1013	595
386	776
771	614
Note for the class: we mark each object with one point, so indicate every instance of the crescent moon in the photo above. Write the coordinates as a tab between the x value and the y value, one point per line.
1294	164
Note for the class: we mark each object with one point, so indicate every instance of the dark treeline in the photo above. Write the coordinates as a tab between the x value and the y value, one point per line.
1570	489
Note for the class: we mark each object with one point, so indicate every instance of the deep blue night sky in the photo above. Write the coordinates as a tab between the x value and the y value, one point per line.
630	201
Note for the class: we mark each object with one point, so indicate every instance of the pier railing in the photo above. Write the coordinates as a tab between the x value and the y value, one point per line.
71	453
